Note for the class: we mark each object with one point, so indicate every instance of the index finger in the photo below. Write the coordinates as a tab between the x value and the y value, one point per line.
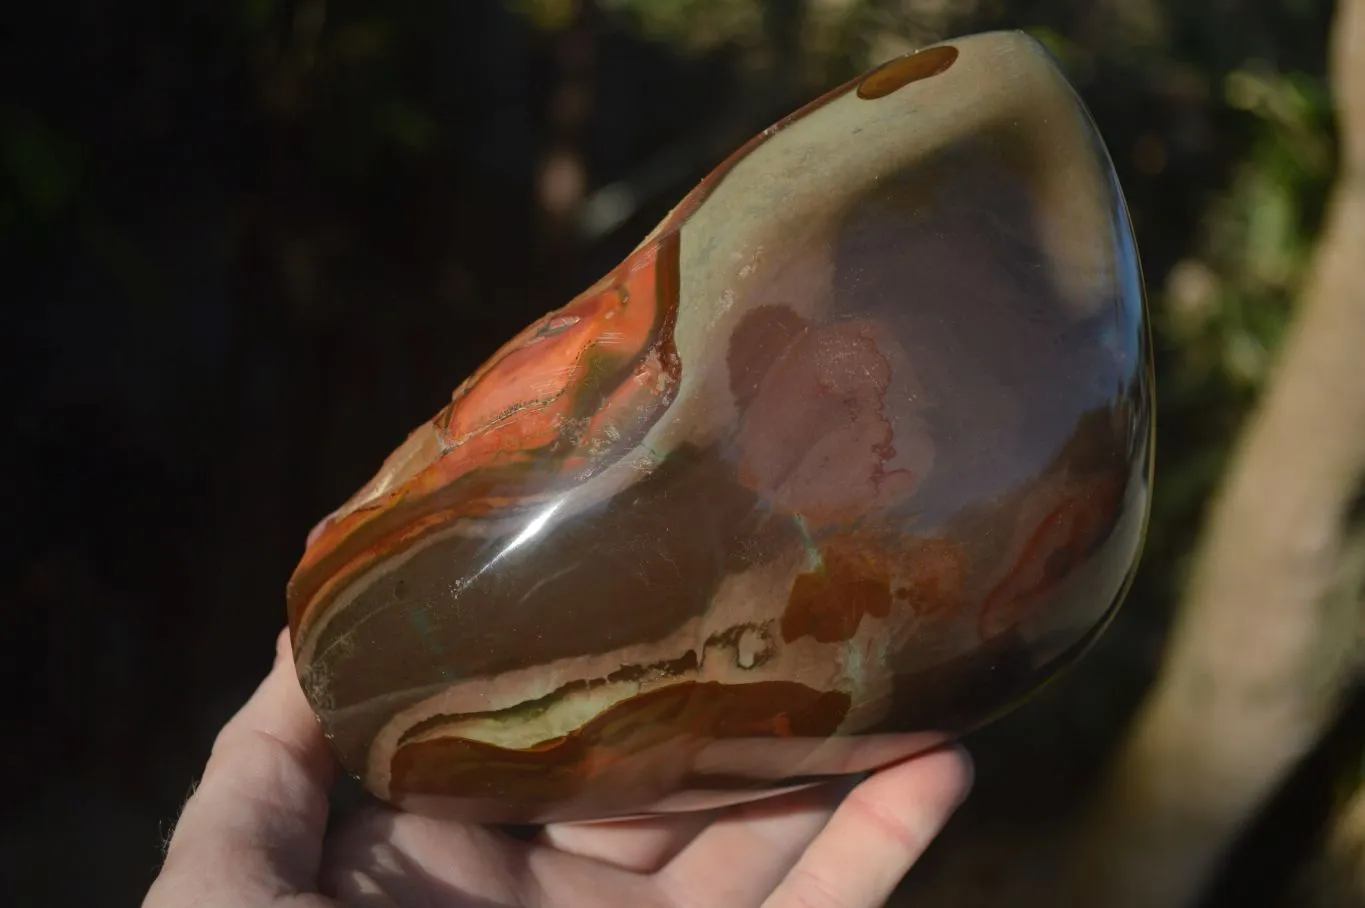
254	826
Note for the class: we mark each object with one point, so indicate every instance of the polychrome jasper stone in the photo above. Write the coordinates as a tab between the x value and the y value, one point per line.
848	456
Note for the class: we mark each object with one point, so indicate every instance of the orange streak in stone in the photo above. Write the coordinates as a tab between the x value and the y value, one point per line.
1061	540
541	406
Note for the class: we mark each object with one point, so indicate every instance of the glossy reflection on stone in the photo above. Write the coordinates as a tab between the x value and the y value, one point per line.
851	454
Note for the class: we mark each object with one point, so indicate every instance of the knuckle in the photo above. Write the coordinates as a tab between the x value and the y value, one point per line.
887	824
805	888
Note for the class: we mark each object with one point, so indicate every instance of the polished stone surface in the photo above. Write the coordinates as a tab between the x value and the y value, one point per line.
850	455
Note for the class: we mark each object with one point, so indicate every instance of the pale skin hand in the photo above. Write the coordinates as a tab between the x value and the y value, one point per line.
253	835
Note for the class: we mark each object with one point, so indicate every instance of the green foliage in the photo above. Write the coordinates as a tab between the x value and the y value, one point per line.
1229	304
1226	303
700	24
40	170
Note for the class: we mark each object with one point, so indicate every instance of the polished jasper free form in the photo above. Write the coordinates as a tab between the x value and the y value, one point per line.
848	456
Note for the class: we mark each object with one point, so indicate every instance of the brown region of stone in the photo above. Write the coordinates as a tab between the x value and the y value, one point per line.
894	75
664	727
933	577
762	336
829	603
313	589
867	573
630	572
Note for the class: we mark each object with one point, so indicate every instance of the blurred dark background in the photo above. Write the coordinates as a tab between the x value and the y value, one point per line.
248	245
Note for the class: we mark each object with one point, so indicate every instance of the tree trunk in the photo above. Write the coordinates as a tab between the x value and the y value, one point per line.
1339	881
1268	637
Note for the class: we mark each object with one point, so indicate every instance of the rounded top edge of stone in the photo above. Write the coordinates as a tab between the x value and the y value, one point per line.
973	61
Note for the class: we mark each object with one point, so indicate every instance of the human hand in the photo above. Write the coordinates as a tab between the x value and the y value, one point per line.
253	834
